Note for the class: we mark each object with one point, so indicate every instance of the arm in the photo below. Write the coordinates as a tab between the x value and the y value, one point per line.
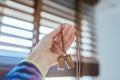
25	71
44	55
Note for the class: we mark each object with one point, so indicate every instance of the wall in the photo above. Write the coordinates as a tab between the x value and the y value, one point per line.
108	33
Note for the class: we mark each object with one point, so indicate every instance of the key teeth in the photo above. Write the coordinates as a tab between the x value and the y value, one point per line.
70	66
65	59
61	61
69	63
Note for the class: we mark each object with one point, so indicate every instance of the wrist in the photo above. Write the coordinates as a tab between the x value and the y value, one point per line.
40	60
37	66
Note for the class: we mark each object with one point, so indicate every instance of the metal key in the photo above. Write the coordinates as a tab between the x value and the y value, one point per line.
69	61
61	61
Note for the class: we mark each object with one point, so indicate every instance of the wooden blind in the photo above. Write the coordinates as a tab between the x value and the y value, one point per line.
85	22
16	25
24	22
54	13
88	37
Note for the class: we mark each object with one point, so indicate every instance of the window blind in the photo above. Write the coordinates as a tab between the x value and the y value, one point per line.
20	33
88	38
16	25
87	34
53	14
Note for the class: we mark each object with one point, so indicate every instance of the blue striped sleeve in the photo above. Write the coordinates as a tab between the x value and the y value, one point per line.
24	71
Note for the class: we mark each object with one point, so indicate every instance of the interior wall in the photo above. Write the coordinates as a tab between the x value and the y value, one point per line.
108	34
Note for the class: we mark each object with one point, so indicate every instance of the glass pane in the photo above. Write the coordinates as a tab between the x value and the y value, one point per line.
18	32
17	41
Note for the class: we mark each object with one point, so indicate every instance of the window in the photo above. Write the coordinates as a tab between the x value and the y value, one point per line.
18	34
88	31
53	14
16	27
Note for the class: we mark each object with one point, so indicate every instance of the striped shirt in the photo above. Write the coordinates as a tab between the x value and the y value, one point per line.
25	71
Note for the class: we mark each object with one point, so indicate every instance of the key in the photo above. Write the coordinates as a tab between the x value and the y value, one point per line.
69	62
64	58
61	61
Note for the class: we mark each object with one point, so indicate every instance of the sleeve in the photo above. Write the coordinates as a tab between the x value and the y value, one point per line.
27	70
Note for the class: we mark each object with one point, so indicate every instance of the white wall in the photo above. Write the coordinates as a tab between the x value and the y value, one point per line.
108	32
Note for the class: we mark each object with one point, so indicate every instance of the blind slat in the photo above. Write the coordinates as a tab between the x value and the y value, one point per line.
59	7
14	49
66	3
3	24
14	40
49	23
56	19
17	17
57	13
17	9
17	23
29	3
14	45
15	36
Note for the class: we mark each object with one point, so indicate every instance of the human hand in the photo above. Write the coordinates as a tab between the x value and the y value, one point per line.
49	48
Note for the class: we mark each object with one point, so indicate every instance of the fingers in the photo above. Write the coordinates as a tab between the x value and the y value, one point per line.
67	31
68	37
68	34
64	28
55	32
56	48
69	42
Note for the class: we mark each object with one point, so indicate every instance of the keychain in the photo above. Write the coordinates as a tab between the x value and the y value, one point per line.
64	58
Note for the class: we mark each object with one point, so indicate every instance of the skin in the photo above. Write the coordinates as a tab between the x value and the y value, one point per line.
48	49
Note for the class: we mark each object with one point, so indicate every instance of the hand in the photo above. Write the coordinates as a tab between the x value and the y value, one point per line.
49	48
